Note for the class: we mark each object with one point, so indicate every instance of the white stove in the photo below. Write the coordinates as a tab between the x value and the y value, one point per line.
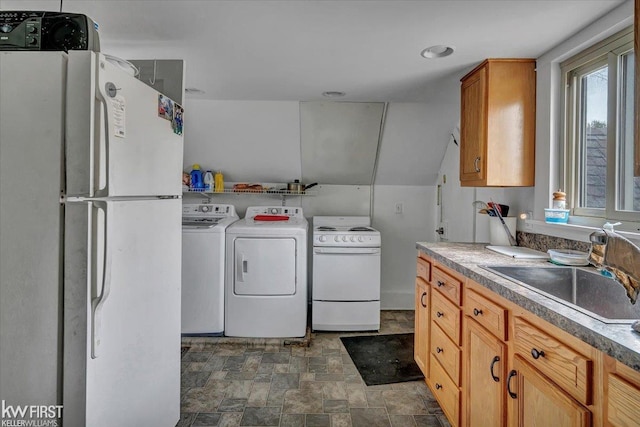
346	274
345	235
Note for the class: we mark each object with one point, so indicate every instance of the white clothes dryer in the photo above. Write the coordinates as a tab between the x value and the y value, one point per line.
203	261
266	274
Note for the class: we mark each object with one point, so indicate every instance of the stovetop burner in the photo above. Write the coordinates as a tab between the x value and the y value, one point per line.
360	229
326	228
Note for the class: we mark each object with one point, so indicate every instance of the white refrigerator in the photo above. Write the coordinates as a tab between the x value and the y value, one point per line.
90	243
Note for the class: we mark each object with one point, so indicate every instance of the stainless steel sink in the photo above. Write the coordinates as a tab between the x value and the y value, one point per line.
584	289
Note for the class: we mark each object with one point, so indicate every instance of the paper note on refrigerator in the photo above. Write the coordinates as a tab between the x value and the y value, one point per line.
118	108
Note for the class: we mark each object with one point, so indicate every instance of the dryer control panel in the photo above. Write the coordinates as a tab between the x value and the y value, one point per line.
291	212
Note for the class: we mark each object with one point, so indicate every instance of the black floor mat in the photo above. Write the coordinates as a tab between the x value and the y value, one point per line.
383	359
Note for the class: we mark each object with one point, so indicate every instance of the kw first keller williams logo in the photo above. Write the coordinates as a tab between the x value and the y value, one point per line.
30	415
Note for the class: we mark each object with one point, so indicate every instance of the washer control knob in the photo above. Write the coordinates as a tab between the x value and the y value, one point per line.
274	210
337	238
205	208
322	238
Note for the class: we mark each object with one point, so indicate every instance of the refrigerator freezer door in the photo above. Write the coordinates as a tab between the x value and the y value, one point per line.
122	313
117	143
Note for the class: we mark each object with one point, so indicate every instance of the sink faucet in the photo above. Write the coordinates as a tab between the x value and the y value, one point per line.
621	257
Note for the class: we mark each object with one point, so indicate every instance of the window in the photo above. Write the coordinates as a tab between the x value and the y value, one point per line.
599	145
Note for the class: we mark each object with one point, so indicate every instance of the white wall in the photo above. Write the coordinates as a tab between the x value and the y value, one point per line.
400	232
464	223
259	141
412	148
249	141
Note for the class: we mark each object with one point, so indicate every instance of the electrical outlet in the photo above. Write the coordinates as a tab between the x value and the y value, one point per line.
445	230
399	208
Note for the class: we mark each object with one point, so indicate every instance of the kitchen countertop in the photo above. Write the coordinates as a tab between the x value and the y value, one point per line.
616	340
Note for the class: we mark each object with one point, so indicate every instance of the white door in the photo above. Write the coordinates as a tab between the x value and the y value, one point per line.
122	313
346	274
118	142
264	266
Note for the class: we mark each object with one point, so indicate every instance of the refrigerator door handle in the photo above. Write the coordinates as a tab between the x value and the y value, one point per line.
103	98
98	301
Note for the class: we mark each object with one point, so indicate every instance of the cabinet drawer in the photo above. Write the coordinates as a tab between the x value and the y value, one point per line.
424	269
445	391
487	313
447	353
623	401
567	368
446	315
449	285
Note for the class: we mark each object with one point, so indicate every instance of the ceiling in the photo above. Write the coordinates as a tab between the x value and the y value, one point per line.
296	49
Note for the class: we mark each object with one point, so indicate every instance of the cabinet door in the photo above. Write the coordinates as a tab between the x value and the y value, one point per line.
542	403
421	343
473	127
485	377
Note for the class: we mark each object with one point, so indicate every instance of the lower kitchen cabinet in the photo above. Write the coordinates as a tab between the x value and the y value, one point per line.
488	362
421	335
621	395
485	368
540	402
445	391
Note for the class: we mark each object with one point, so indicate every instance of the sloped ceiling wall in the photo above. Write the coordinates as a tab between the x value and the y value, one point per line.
260	141
339	141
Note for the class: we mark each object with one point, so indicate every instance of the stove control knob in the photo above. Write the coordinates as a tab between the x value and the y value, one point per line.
353	238
337	238
344	238
322	238
360	239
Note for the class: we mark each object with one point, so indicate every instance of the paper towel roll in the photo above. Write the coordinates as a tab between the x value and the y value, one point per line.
497	234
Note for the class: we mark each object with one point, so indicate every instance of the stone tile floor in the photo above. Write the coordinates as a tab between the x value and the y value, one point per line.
266	383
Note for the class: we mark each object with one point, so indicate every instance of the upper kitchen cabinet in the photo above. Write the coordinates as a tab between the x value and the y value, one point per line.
497	124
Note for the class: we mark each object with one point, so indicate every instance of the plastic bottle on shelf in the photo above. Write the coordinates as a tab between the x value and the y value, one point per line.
196	178
208	182
219	182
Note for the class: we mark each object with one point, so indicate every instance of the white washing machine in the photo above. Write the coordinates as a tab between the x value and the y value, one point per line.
266	274
203	262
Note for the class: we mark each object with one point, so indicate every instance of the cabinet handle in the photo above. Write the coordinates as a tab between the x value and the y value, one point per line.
438	386
439	350
476	164
512	374
493	362
439	314
424	294
537	353
440	283
477	312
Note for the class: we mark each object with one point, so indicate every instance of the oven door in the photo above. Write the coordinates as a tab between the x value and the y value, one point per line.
346	274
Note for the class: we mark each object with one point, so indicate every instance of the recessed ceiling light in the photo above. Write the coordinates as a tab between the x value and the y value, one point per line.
438	51
333	94
194	91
